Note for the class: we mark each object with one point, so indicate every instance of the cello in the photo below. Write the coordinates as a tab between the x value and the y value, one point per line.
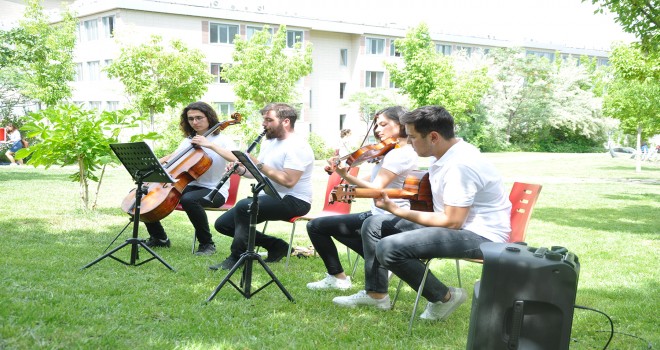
185	166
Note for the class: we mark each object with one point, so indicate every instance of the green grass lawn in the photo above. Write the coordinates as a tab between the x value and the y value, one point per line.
596	206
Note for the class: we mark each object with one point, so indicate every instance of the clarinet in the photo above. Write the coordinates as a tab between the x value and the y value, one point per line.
209	197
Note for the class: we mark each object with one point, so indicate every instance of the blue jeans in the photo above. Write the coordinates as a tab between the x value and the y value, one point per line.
236	221
343	228
392	243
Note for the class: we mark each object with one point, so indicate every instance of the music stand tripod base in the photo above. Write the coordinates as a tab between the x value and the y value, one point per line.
250	255
142	164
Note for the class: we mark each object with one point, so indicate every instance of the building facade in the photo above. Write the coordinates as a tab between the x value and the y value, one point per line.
347	57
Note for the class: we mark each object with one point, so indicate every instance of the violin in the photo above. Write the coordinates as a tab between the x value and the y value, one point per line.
187	165
366	153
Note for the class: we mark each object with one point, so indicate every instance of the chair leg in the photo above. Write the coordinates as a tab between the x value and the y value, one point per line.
355	264
396	295
288	253
458	273
419	294
193	243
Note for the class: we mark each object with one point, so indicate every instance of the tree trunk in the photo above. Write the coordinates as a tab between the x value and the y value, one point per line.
84	192
638	167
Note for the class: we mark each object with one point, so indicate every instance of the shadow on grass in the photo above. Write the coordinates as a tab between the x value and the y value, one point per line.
630	219
628	168
634	327
32	176
633	197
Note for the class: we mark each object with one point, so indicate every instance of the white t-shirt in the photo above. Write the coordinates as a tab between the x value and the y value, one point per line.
15	136
400	161
211	177
463	178
291	153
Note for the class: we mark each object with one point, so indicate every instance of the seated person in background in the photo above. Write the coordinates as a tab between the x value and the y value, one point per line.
287	160
196	119
390	172
14	137
470	207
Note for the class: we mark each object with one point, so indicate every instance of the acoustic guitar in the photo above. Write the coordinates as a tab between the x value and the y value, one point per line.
416	189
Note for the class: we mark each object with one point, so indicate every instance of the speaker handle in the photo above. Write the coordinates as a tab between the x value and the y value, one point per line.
516	326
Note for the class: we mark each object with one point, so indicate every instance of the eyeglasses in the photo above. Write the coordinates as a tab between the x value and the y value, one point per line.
196	119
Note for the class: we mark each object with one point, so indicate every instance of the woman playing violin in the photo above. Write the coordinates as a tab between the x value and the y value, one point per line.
390	172
196	119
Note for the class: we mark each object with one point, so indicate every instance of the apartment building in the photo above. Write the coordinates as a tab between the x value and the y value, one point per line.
347	57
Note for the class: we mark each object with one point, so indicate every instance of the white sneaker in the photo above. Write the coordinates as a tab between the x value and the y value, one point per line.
331	282
362	298
440	311
13	164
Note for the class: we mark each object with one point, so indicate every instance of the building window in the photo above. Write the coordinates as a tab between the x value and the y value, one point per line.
550	56
466	49
223	33
216	69
375	46
603	61
250	31
443	49
343	57
79	72
293	37
111	105
94	104
342	89
91	30
93	71
104	74
373	79
108	26
342	118
224	108
393	51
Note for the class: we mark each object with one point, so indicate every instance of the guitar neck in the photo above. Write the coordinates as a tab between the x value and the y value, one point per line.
391	192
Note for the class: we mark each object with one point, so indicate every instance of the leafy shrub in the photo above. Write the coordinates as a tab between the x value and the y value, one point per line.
321	150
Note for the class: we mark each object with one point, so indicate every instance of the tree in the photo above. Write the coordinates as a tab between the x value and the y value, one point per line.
429	78
39	55
640	18
157	77
520	97
634	94
71	135
265	71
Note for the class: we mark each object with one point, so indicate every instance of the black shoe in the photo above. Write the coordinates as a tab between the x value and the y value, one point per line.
155	242
206	249
227	264
277	252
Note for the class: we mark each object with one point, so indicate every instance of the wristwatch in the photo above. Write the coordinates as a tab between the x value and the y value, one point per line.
260	166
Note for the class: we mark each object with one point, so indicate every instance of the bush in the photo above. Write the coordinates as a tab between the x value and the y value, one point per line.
321	150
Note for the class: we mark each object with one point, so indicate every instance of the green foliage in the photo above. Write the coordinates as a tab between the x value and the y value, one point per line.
158	77
634	94
429	78
71	135
371	101
265	71
321	150
640	18
40	55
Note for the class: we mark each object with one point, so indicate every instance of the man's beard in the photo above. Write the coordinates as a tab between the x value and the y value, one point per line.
275	133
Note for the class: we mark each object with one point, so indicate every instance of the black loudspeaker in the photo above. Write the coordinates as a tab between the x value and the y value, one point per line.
524	299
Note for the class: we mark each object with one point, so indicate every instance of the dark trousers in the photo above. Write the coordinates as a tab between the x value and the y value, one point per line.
193	203
343	228
395	244
236	221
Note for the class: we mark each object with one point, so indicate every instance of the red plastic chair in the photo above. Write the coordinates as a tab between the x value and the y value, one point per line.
523	198
234	181
336	208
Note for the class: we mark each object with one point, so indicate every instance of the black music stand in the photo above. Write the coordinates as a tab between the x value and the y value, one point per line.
141	162
263	183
